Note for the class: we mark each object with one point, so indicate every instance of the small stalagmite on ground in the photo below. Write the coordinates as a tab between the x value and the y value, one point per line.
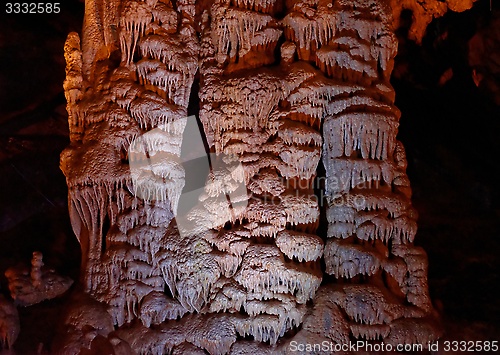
29	286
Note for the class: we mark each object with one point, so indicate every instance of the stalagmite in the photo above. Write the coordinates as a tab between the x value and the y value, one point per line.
231	263
29	286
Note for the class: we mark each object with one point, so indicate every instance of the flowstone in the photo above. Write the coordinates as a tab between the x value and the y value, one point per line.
282	86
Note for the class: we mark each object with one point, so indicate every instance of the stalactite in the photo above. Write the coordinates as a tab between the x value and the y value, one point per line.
73	84
135	16
366	185
424	12
244	262
120	266
241	114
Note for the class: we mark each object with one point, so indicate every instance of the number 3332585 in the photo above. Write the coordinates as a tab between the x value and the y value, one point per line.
32	8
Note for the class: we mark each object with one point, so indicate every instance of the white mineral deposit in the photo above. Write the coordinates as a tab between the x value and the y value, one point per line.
285	87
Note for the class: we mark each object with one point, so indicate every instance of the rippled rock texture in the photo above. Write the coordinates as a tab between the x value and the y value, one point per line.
283	87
